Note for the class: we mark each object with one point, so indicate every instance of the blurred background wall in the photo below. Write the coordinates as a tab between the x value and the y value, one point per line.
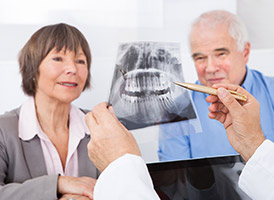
107	23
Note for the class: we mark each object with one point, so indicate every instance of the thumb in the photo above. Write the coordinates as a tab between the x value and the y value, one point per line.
229	101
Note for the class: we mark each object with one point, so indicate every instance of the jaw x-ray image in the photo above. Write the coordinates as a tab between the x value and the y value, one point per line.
142	92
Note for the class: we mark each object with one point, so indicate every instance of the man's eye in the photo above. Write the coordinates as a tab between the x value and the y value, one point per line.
199	59
221	54
81	61
57	58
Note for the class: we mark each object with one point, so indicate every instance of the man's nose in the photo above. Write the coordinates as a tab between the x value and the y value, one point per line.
211	65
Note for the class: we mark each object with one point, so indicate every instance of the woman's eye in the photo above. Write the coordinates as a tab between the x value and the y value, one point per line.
81	61
57	58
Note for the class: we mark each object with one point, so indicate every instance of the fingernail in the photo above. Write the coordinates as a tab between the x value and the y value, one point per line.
109	104
222	92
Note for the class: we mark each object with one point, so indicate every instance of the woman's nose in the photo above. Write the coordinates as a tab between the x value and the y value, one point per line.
70	67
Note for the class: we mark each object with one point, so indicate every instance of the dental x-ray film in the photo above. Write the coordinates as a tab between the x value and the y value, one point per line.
142	91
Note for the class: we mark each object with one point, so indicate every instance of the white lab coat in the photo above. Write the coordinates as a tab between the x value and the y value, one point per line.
257	177
128	177
125	178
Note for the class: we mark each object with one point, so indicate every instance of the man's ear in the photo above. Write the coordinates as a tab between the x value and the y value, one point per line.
246	51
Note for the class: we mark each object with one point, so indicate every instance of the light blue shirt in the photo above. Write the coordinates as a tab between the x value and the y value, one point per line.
212	142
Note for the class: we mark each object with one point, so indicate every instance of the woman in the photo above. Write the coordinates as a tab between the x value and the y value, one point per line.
43	143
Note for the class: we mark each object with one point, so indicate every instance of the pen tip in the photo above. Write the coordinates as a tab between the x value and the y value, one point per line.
175	82
179	83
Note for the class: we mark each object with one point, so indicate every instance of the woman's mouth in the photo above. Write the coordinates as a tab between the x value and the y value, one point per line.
68	84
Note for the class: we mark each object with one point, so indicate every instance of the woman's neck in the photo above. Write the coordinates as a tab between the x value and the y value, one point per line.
53	115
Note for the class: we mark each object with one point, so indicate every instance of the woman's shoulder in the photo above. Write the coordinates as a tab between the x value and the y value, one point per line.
11	114
9	120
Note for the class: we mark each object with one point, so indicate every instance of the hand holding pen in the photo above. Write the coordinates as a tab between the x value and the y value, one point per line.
210	90
240	119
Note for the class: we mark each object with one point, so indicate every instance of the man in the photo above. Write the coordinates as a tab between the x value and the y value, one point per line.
220	50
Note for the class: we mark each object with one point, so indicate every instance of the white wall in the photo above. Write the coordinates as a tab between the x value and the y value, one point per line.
258	17
106	23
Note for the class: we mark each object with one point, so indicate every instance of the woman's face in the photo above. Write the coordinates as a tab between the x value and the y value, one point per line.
62	75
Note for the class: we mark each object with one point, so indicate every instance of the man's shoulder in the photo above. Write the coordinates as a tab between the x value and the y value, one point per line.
258	81
259	75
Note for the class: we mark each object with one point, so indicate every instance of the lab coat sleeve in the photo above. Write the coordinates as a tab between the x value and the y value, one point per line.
125	178
257	177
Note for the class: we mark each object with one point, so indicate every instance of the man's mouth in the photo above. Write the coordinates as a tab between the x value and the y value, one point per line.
215	80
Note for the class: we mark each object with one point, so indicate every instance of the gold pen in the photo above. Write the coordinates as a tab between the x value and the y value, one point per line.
210	90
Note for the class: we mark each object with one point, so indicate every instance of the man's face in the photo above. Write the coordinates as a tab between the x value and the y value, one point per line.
216	56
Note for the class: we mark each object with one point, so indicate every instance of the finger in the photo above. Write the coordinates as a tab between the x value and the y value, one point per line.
89	180
227	86
212	115
91	121
212	99
233	87
102	114
88	194
229	101
114	118
221	107
72	196
224	109
217	116
111	110
213	107
217	106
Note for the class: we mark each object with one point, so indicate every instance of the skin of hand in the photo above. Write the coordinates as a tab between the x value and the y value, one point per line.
241	120
109	138
82	186
73	196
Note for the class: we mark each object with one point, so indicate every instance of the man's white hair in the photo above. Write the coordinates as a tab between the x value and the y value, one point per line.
236	27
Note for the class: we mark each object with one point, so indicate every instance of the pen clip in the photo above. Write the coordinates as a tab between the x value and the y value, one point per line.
236	93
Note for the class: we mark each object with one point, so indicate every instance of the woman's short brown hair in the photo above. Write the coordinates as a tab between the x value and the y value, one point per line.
57	36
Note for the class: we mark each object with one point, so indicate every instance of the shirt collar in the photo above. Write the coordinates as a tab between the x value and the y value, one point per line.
77	122
247	83
29	125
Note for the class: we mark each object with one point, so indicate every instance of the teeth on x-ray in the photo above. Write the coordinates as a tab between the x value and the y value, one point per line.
143	90
146	83
147	89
